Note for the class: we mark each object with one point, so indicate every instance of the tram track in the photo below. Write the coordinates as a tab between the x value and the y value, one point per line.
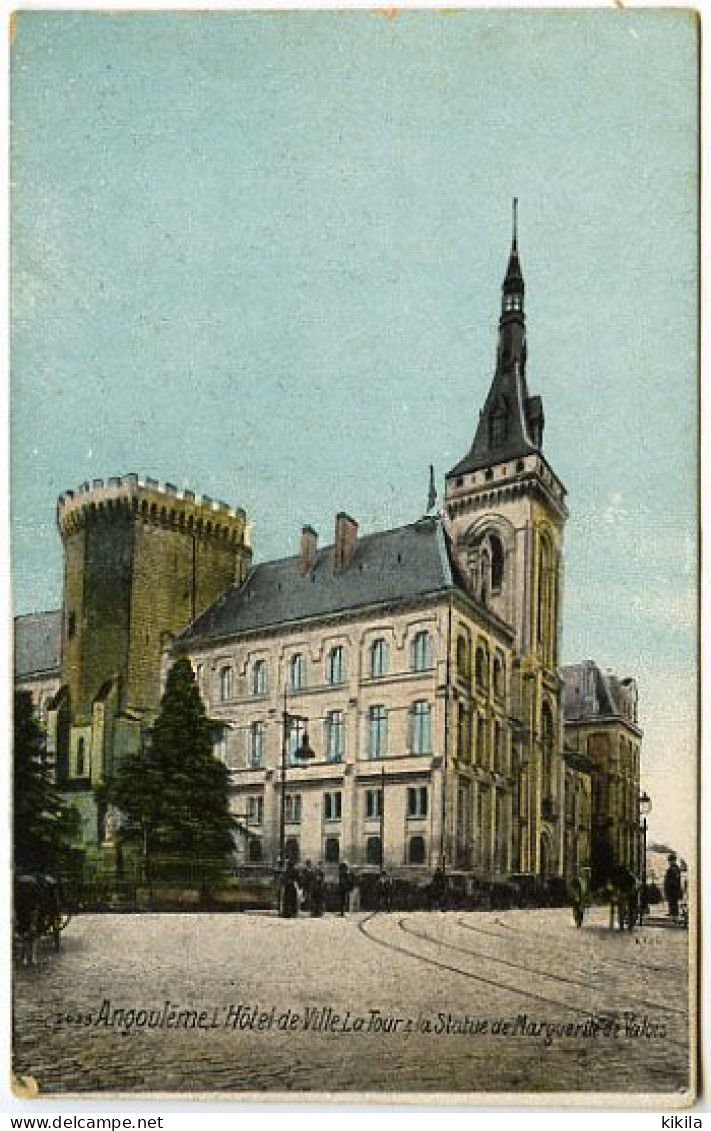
516	991
584	983
549	938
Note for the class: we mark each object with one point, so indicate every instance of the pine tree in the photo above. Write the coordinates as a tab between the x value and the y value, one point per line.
174	794
43	826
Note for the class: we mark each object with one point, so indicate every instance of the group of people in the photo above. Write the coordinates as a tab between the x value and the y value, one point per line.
305	889
629	900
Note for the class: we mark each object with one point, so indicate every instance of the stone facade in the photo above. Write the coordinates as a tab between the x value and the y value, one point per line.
601	723
410	738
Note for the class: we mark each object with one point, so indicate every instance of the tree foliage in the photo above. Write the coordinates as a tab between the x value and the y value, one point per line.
43	825
174	794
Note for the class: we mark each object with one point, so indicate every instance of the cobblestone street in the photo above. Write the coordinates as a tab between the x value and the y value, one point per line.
407	1002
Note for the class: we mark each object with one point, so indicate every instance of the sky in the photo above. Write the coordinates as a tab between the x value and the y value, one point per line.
260	255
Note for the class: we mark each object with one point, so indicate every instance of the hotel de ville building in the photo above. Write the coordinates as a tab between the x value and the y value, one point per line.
417	667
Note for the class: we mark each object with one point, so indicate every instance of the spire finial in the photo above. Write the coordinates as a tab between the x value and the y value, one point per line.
514	244
432	493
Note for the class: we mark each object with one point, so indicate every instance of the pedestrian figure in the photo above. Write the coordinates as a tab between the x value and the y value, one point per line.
345	886
384	890
580	898
438	889
289	892
625	895
672	886
318	892
307	879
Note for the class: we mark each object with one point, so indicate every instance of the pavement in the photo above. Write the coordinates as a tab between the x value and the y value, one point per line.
406	1002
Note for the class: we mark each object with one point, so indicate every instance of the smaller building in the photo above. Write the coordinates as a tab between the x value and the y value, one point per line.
601	724
38	657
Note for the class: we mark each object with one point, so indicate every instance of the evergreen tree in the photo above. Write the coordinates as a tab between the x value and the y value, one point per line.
43	826
174	794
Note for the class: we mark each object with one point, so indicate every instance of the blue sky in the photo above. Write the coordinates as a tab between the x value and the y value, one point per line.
260	255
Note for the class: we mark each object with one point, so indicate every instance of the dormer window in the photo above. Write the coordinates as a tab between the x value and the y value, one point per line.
498	426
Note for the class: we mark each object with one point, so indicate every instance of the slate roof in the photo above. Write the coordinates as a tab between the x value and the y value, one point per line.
607	686
38	643
392	567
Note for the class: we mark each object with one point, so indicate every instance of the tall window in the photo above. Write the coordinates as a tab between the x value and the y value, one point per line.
499	748
497	563
335	736
373	804
335	666
416	850
421	652
256	745
259	677
462	656
377	732
548	743
297	672
499	680
379	657
417	801
255	810
226	683
421	727
332	806
463	732
219	746
292	808
297	729
482	666
481	743
81	758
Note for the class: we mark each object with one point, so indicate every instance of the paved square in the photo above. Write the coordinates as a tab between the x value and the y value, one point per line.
406	1002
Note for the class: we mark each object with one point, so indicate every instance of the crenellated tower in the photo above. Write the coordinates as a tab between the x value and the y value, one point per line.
141	561
505	512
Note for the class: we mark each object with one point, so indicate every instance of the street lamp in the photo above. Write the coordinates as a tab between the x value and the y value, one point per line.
645	808
304	753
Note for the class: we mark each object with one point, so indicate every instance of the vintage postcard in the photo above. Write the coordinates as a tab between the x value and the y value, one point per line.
354	376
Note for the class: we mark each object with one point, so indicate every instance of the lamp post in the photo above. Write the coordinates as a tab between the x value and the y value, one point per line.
645	808
303	754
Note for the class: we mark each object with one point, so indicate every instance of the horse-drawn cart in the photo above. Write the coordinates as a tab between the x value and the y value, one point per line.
38	913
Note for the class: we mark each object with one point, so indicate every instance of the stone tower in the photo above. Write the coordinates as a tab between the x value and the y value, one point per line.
505	510
141	561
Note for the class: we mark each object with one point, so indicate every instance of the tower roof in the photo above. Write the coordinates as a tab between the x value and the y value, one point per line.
510	423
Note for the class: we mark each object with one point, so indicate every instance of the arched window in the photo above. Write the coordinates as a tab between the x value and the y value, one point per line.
259	677
421	727
81	757
335	665
297	672
226	683
421	652
497	563
379	657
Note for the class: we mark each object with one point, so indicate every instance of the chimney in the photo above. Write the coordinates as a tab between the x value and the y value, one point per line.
307	550
346	540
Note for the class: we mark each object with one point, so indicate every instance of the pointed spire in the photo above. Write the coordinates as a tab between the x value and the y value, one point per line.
513	283
514	241
432	493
